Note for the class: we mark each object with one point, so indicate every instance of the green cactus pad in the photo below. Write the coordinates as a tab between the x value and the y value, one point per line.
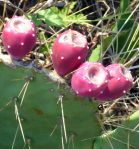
124	137
36	112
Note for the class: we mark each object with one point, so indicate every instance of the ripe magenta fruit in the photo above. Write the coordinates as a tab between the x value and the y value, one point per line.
19	36
69	51
119	83
90	79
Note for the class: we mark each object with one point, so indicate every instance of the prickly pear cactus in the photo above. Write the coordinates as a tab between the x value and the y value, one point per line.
124	137
76	51
36	112
86	80
19	33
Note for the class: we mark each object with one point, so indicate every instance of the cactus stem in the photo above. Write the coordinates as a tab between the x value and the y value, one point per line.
7	60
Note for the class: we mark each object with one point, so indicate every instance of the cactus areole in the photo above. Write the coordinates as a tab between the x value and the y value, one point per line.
120	82
90	79
19	36
69	51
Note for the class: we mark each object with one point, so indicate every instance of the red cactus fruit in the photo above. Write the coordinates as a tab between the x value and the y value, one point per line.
19	36
69	51
90	79
119	83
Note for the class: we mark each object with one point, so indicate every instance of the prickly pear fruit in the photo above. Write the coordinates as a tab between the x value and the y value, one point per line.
90	79
69	51
119	83
19	36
